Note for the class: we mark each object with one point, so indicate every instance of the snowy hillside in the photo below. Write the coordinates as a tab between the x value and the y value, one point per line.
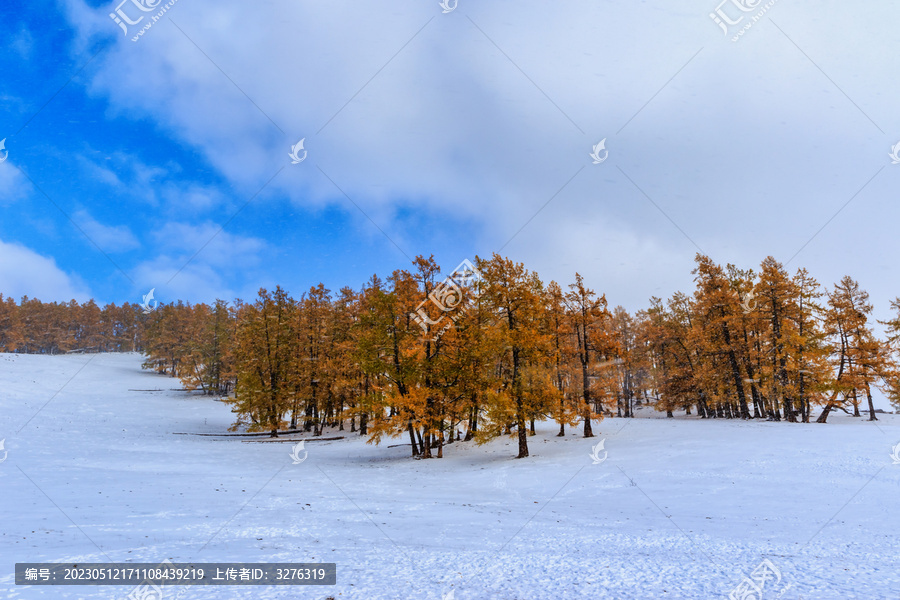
671	508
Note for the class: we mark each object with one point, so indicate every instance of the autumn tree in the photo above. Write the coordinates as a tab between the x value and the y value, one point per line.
587	314
718	309
264	347
859	358
516	296
892	372
559	326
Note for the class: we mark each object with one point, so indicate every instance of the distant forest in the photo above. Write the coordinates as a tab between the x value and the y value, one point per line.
490	349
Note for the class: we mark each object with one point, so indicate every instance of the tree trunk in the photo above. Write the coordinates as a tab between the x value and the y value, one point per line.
703	408
307	422
872	416
426	452
473	422
586	395
735	373
412	438
520	426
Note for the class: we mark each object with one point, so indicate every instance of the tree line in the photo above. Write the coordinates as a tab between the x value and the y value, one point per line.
490	349
34	327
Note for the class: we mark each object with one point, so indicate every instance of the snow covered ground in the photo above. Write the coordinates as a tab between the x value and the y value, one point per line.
678	509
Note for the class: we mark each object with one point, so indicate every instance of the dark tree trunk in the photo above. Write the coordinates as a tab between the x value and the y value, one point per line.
586	395
473	422
412	438
703	408
872	416
735	371
520	426
426	452
308	422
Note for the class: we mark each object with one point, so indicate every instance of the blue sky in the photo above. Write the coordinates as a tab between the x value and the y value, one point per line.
163	163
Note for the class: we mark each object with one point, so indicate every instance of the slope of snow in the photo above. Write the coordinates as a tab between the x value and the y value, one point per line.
679	508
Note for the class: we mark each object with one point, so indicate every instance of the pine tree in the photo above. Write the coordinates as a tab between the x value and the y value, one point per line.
565	408
516	295
588	314
810	353
860	359
264	347
892	372
11	335
718	307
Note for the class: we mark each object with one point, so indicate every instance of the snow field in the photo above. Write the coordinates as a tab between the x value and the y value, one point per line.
680	508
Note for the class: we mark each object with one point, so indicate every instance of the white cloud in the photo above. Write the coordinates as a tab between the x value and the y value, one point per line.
198	262
182	196
111	239
22	43
162	187
24	272
99	172
12	184
474	116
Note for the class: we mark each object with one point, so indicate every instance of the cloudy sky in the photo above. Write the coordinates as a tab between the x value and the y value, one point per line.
164	162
